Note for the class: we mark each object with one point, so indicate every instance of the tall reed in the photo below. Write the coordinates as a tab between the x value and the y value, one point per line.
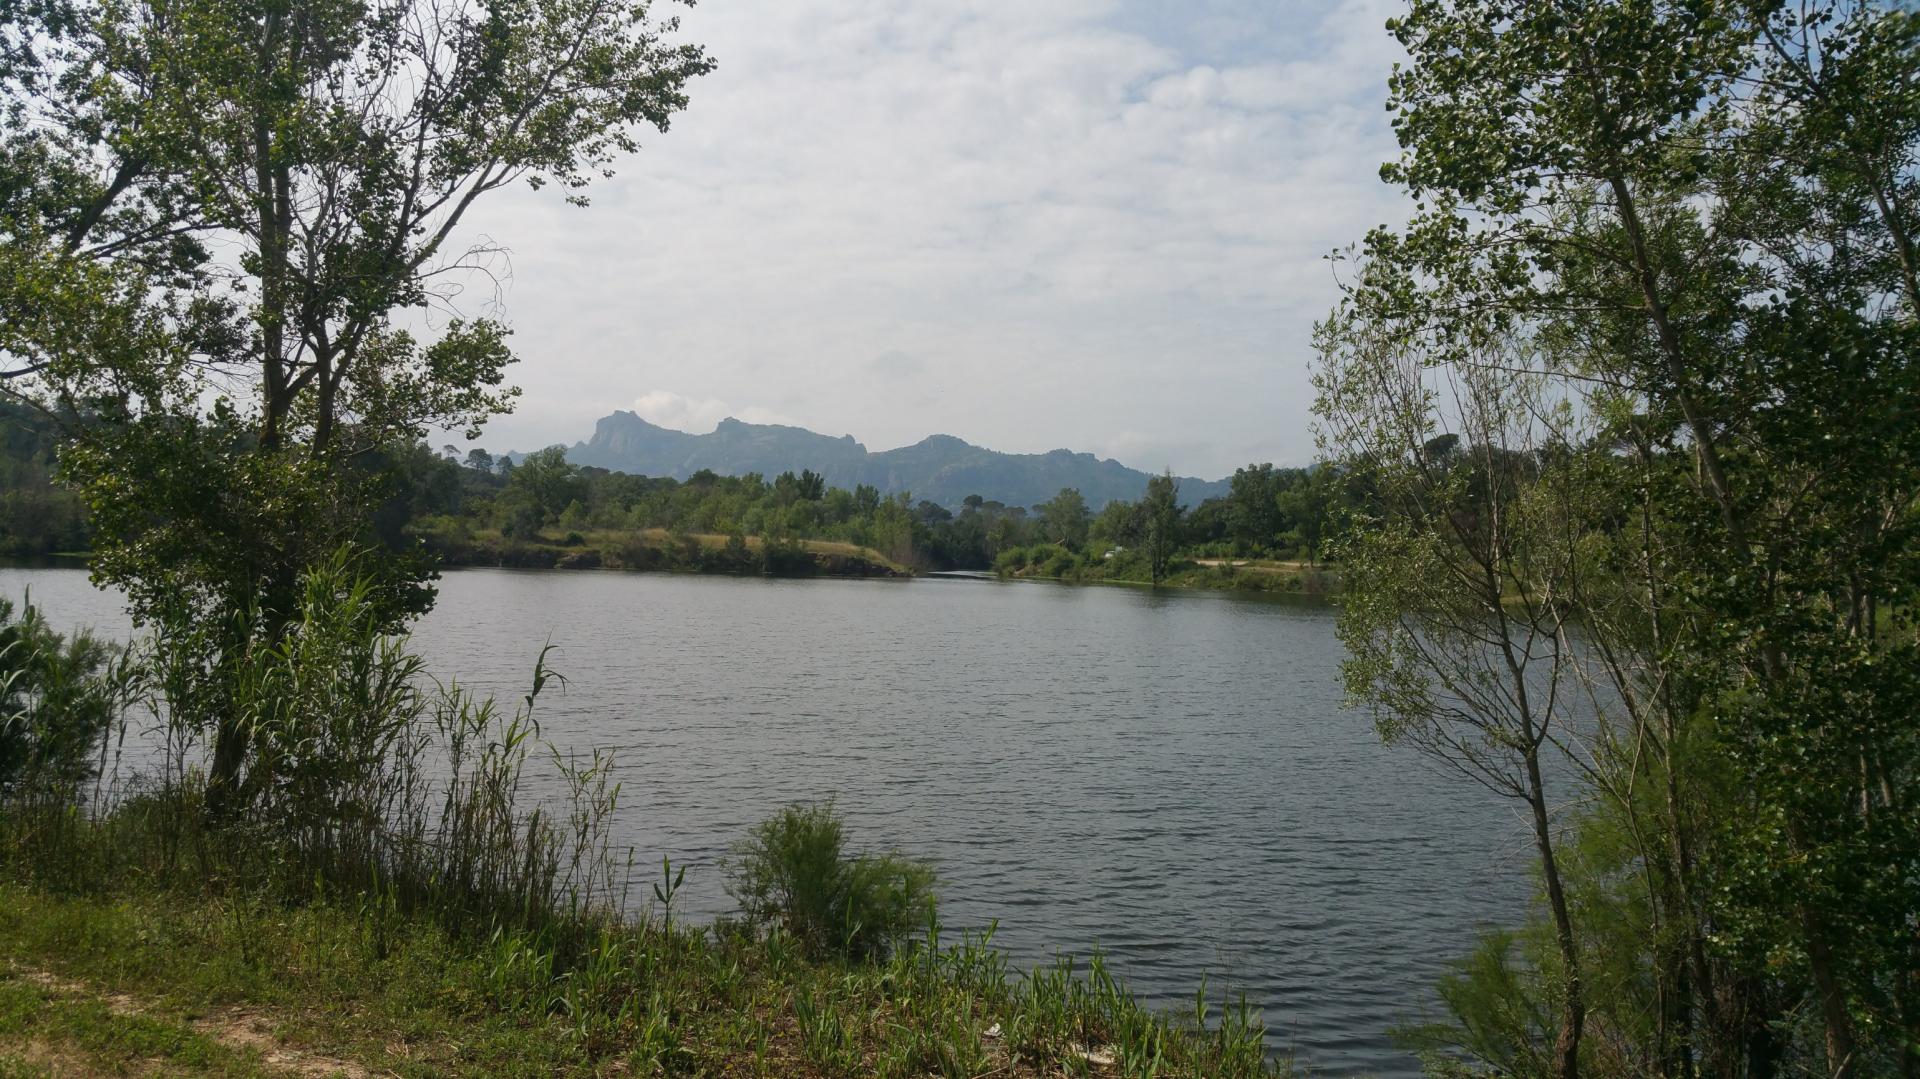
365	776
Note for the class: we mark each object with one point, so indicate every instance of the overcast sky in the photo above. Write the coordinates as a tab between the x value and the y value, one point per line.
1028	223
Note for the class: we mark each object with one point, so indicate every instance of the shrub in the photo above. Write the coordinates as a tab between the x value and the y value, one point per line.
786	558
518	555
365	776
793	872
732	557
521	521
1060	562
59	698
634	552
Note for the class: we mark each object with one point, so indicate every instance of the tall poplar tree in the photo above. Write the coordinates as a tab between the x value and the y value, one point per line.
223	222
1701	215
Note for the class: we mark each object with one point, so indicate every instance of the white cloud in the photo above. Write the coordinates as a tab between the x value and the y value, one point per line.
699	415
1028	224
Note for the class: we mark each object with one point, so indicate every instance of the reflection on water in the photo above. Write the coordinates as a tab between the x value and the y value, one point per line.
1166	776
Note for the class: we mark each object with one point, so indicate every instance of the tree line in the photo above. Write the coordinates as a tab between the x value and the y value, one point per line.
453	500
450	501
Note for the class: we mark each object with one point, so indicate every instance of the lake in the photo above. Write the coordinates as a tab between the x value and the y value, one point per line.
1165	776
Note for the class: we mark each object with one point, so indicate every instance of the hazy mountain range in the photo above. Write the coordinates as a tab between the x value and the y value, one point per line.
940	468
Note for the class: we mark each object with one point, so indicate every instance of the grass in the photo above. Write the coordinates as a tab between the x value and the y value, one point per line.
149	982
157	977
47	1029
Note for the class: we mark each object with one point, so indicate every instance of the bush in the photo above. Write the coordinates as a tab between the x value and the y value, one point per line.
363	776
786	558
732	557
59	698
517	555
1060	562
793	872
634	552
1043	559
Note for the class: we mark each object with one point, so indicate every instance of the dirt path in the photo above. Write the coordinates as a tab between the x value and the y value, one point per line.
238	1028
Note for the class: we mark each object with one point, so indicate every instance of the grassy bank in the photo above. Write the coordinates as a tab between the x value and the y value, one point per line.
146	972
1052	562
656	549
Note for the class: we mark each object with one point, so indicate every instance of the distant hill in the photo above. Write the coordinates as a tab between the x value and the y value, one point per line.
940	469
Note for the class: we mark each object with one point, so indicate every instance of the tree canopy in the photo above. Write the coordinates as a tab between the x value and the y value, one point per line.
1670	244
223	223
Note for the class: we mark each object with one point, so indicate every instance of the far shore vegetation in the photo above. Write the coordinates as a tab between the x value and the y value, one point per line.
1271	532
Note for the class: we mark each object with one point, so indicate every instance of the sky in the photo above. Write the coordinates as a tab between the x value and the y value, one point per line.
1092	224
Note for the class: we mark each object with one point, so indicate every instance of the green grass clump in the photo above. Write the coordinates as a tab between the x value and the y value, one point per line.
794	872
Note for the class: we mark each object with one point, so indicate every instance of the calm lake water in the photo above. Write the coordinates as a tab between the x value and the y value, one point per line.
1164	776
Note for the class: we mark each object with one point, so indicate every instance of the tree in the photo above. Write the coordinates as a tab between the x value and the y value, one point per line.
1117	524
334	152
1701	215
1456	618
813	486
1308	505
1007	527
550	482
895	531
1160	523
479	460
1064	519
1253	512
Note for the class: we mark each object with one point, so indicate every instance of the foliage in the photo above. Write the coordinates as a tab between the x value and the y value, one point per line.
237	404
1690	227
1160	514
1457	621
37	516
921	535
795	873
61	699
1064	519
362	777
456	506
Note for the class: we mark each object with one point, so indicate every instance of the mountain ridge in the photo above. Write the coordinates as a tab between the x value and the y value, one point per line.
940	468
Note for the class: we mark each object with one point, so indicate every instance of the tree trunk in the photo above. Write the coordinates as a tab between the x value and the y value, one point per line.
1759	1043
1833	1000
1676	988
1573	1011
223	777
1833	1005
